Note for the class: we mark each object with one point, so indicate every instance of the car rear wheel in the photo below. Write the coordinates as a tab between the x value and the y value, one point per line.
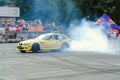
35	47
64	46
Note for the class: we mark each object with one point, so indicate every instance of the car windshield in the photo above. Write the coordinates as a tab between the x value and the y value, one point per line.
44	37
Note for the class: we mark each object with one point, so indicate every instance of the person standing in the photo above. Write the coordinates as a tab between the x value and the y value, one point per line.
6	37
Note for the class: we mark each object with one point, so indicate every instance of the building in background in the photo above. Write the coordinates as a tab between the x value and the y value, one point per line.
7	11
8	15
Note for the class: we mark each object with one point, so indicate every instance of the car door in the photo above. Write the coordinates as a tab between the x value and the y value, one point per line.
47	42
56	43
51	42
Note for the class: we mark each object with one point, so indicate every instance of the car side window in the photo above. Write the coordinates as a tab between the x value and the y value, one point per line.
62	37
48	37
56	37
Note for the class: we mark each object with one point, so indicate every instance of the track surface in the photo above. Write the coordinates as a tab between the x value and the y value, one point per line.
57	65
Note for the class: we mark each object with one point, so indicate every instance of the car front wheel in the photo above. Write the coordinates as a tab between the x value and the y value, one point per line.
35	47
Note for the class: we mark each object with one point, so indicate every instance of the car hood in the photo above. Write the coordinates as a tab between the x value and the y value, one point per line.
28	41
32	41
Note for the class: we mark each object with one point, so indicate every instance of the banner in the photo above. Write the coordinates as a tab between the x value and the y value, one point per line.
15	29
35	28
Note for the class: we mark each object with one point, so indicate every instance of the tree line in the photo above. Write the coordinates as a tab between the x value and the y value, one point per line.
95	8
90	9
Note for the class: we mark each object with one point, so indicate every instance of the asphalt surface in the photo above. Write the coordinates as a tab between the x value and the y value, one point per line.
66	65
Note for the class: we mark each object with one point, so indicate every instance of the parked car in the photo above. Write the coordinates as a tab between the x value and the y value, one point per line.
48	41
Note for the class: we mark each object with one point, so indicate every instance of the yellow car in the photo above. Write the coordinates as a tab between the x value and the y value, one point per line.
48	41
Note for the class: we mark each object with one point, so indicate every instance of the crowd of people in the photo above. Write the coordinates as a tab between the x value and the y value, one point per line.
24	25
25	34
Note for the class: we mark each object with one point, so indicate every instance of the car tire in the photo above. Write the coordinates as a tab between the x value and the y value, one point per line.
22	51
64	46
35	47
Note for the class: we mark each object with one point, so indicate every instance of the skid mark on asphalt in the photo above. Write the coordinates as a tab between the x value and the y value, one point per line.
111	71
69	65
75	66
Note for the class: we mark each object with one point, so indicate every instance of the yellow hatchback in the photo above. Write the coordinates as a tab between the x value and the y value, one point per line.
48	41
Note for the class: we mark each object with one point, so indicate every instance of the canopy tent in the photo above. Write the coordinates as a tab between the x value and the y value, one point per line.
107	22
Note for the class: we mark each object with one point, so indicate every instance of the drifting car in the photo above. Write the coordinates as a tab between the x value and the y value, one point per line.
48	41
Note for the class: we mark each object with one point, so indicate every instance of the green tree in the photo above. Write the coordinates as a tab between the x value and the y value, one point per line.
66	11
93	8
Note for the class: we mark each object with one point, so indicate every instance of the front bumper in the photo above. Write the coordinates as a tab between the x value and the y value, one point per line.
25	48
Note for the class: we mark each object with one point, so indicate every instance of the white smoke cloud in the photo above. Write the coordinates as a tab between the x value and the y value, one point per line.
86	36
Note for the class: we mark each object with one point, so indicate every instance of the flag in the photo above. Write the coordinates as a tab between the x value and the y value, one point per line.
107	22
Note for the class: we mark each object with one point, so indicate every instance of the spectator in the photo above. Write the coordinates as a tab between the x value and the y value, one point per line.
21	38
6	37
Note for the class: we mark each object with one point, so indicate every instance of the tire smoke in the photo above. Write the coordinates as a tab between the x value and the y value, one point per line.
87	36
